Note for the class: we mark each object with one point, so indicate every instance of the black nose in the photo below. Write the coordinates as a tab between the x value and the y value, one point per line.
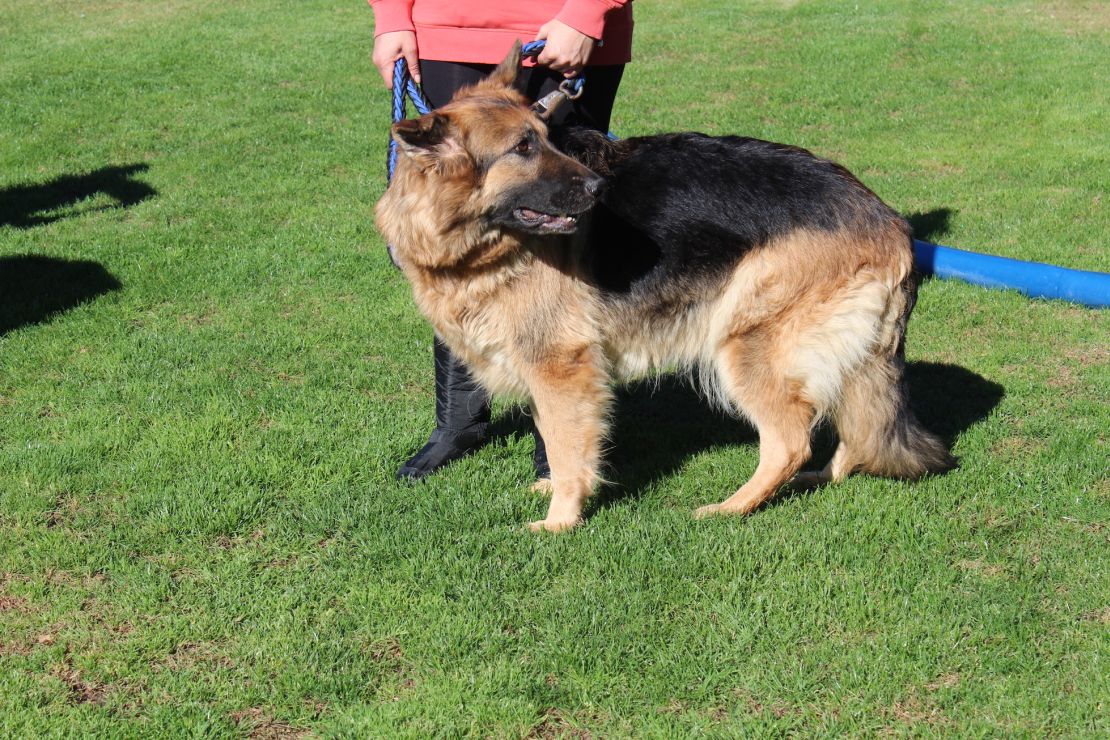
593	185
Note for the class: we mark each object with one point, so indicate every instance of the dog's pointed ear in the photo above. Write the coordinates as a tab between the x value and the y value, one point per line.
422	134
505	74
430	141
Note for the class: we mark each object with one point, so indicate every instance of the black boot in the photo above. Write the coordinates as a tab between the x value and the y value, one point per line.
462	417
539	457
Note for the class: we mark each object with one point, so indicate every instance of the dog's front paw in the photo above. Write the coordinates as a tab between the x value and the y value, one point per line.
543	485
554	525
703	511
721	509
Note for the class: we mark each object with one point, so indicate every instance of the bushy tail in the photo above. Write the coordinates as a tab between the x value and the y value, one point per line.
880	433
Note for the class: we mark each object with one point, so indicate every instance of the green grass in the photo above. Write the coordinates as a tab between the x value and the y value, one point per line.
209	372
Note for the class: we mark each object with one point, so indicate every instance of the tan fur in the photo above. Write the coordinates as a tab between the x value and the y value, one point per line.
802	332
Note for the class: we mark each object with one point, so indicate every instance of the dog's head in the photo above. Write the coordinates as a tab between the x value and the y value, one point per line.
488	154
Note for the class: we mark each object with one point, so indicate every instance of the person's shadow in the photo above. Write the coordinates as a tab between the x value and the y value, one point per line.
34	289
27	206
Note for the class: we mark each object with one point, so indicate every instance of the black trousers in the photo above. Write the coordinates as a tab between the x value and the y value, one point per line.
442	79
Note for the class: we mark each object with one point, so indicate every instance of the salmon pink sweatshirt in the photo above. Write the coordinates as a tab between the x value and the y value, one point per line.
482	31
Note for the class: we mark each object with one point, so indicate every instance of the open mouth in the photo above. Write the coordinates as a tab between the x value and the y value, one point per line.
560	223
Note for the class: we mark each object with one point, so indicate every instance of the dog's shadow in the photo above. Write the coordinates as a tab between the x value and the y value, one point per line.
659	424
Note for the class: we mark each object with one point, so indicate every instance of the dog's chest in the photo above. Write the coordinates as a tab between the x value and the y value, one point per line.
482	327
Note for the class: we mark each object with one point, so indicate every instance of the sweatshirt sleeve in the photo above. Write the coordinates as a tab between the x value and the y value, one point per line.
588	16
392	15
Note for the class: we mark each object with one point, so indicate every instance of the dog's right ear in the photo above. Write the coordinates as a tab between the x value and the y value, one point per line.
420	134
431	140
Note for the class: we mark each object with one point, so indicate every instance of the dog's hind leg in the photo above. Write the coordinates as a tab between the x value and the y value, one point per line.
866	399
570	402
839	467
784	420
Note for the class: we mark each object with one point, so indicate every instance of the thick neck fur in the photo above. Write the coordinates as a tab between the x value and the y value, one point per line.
453	262
496	297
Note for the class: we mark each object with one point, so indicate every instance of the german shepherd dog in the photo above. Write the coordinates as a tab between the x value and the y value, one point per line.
777	277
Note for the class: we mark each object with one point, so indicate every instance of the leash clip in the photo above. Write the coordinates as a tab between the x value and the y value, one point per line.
568	90
548	104
572	88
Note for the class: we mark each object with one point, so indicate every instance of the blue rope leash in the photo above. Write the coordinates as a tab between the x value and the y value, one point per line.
405	88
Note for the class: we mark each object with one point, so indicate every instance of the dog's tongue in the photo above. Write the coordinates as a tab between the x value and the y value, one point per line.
547	219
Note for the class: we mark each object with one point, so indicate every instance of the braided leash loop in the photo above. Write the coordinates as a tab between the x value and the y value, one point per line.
404	87
572	87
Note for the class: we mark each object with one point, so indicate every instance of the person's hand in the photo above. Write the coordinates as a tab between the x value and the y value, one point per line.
389	47
567	50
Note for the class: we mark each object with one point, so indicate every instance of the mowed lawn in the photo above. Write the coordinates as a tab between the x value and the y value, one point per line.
209	372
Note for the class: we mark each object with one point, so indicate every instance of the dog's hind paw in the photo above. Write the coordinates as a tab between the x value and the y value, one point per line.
554	525
807	481
543	485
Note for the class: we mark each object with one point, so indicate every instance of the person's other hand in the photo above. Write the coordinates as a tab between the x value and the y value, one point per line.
389	47
566	51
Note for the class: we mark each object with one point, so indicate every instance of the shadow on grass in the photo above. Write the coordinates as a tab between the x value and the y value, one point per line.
27	206
34	289
948	399
931	224
658	425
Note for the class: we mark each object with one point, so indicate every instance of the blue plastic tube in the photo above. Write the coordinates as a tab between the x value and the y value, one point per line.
1034	279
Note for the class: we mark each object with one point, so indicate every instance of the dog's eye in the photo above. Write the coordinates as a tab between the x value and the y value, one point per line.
524	146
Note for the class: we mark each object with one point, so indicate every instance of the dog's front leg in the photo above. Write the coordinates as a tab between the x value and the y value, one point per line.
570	402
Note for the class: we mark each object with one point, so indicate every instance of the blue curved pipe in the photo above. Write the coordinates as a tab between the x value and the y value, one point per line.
1034	279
